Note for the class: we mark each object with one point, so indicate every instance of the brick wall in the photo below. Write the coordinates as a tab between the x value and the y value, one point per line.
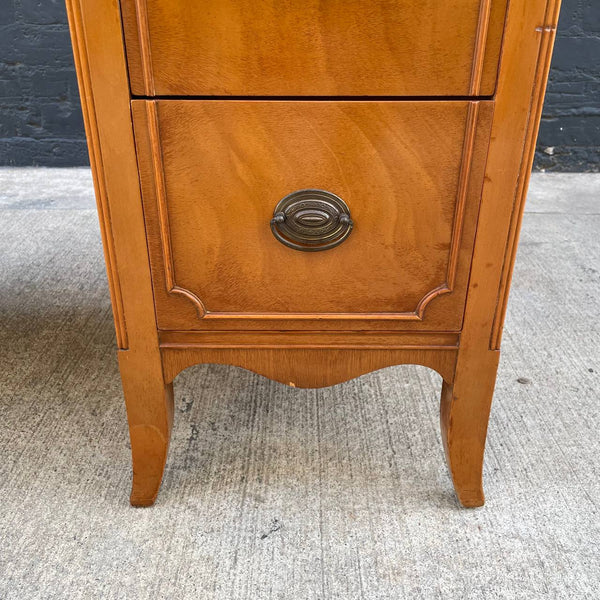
40	116
569	137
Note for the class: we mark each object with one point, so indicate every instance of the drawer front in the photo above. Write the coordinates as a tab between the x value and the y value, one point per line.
213	173
313	47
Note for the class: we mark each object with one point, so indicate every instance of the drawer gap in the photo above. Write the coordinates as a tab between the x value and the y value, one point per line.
324	98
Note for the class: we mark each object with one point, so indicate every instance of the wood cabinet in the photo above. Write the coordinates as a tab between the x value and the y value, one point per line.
313	48
311	190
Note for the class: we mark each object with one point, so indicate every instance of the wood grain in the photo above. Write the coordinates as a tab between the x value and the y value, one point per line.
310	339
308	368
309	359
547	34
163	212
477	72
92	132
465	406
194	273
212	179
466	402
333	48
100	60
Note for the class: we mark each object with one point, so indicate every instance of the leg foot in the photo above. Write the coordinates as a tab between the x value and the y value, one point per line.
149	404
464	414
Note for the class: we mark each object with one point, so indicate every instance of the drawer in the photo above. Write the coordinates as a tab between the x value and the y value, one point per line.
213	173
313	47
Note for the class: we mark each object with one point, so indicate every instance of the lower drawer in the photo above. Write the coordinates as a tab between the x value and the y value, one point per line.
214	172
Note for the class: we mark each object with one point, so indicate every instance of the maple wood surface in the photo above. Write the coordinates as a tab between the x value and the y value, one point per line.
151	245
466	403
213	171
314	48
309	359
99	58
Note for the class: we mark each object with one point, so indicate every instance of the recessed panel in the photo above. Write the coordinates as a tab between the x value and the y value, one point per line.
215	172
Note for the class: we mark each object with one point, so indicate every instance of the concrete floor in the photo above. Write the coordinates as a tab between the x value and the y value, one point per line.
275	493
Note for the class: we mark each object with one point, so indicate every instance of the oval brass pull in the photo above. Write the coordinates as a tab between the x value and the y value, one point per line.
311	220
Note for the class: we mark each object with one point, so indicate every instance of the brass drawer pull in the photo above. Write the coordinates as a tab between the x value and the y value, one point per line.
311	220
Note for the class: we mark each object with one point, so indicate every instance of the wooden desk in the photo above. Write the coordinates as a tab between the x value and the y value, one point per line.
311	190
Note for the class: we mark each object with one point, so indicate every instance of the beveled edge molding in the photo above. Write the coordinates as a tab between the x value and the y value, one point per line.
80	56
374	340
547	34
141	17
163	213
485	8
463	190
416	315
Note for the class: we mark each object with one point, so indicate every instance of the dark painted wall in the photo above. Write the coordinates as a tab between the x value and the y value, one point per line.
40	117
570	130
